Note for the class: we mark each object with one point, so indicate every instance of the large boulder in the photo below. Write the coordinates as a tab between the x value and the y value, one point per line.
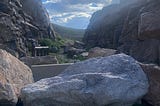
153	73
109	81
13	76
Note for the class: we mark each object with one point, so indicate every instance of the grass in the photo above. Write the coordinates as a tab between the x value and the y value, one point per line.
55	44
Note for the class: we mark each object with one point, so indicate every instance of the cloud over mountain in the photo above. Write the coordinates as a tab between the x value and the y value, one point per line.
73	13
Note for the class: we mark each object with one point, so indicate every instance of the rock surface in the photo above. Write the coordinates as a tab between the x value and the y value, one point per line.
136	41
39	60
13	76
100	52
109	81
74	52
133	29
149	26
22	20
153	73
105	34
79	45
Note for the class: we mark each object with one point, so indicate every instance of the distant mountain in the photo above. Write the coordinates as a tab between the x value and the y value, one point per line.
70	33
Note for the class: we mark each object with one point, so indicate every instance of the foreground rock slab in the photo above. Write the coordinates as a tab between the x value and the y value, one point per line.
109	81
13	76
153	73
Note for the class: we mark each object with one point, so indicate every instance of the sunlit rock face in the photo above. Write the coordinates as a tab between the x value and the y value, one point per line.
132	29
21	20
116	80
13	76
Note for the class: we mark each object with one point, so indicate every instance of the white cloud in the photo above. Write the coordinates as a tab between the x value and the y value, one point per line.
65	17
52	1
63	11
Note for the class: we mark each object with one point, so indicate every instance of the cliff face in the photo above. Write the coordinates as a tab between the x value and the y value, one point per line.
20	21
135	32
105	27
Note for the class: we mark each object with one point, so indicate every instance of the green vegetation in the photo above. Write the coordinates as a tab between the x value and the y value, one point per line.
69	33
64	36
54	45
56	49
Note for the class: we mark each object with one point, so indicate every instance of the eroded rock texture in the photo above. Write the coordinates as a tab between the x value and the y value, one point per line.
116	80
20	21
132	28
13	76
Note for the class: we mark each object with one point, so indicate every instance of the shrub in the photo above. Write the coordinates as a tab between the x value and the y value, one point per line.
54	45
46	42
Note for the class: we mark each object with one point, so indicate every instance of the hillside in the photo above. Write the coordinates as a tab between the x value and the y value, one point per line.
70	33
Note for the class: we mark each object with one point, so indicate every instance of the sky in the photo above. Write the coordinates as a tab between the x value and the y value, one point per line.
73	13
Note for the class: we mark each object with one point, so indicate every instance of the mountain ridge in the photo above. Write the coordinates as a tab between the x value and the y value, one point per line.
68	32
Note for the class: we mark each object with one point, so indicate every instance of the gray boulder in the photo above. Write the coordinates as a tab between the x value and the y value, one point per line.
115	80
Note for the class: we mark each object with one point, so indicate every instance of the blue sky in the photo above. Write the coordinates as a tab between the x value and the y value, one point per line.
73	13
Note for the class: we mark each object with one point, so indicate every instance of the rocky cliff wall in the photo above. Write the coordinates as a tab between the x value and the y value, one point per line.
133	29
20	21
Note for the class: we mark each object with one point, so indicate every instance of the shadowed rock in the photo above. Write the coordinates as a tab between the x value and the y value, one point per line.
131	27
21	20
153	73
